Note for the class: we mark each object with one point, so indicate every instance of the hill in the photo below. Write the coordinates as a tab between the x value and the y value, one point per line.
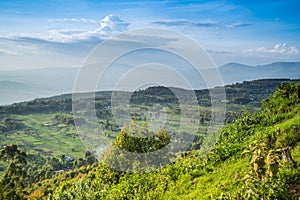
256	157
246	92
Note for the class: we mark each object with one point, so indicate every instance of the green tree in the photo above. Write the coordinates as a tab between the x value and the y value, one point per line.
139	139
15	176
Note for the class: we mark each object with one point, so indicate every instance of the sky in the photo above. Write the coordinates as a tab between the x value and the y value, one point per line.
61	33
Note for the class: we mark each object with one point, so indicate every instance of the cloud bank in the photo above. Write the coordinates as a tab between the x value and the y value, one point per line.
199	24
107	26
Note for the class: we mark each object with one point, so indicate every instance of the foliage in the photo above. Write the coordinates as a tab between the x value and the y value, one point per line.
139	139
261	181
15	174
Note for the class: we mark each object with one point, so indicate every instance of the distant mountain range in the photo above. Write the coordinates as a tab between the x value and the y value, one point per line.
21	85
12	91
235	72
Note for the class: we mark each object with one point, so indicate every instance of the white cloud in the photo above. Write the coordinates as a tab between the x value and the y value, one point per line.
202	24
109	25
80	20
278	48
218	51
184	23
112	23
238	24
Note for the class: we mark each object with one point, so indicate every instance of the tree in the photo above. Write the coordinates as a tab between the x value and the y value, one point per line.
136	147
139	139
90	159
15	175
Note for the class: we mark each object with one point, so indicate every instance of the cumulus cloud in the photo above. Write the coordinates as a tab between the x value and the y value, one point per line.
107	26
278	48
112	23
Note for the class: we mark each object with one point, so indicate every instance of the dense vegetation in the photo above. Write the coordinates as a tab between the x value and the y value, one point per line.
256	157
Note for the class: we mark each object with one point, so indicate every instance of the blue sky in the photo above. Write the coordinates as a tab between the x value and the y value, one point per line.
61	33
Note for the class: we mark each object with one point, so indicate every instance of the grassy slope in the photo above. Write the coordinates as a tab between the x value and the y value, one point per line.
218	175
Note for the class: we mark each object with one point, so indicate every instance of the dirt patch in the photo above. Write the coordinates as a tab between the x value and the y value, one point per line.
44	153
294	191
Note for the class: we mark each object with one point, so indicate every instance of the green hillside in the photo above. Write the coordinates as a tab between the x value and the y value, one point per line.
256	157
